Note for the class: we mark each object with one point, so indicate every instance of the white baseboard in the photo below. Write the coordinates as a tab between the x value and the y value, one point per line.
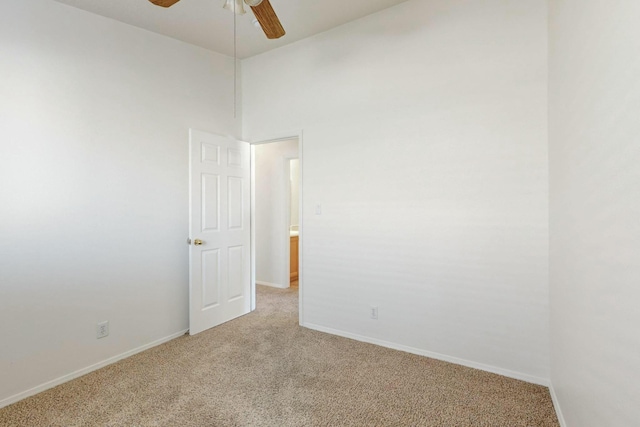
273	285
63	379
556	405
500	371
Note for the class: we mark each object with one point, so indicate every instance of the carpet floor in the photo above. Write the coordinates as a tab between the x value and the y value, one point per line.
264	370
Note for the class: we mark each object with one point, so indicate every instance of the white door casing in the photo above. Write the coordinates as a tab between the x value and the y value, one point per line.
219	217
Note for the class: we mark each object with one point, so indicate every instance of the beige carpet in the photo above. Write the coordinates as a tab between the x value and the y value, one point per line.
265	370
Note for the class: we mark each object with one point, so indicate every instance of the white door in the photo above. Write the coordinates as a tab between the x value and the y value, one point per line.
219	196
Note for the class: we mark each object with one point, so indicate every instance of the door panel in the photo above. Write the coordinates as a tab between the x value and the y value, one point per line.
236	263
211	202
210	278
235	203
220	220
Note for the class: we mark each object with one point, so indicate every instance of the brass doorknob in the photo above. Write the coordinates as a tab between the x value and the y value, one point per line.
198	242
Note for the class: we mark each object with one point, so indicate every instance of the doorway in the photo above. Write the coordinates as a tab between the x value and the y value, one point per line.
276	231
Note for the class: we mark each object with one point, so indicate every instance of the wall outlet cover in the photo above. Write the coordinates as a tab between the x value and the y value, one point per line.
374	312
102	329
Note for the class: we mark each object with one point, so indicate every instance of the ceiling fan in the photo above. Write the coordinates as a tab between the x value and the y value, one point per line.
262	9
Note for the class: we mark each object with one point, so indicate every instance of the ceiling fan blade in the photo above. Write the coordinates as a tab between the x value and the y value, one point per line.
268	20
164	3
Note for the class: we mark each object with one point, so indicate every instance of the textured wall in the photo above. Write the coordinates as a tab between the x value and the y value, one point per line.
425	142
595	211
94	121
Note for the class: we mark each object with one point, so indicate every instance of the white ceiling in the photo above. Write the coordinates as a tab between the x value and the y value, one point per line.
204	23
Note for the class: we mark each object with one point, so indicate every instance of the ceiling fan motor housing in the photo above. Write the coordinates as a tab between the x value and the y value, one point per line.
262	10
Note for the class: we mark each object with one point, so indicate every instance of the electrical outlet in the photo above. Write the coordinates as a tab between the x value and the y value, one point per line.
374	312
102	329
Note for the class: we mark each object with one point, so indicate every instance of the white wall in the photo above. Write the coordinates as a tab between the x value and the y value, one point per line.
94	119
294	167
425	134
271	211
595	211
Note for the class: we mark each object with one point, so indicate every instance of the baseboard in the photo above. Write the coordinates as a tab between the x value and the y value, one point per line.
65	378
556	405
273	285
470	364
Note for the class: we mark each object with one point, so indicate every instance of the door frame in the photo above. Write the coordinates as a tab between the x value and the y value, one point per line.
282	136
